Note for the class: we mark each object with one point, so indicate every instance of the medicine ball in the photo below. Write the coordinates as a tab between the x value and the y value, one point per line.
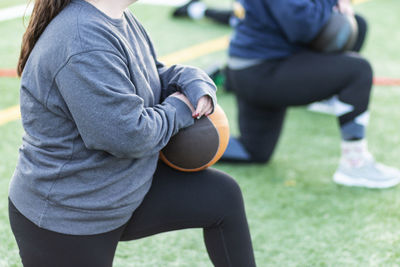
198	146
337	35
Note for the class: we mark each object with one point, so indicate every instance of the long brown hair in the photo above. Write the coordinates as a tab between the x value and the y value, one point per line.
43	12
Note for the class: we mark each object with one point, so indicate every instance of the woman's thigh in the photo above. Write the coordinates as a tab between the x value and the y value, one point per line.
40	247
208	199
300	79
180	200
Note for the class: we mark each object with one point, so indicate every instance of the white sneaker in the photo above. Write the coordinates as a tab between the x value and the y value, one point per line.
370	174
331	106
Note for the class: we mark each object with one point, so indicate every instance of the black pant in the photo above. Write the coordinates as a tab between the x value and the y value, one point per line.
221	16
264	91
208	199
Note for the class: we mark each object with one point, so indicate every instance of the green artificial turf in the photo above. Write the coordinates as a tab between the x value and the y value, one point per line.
10	3
297	215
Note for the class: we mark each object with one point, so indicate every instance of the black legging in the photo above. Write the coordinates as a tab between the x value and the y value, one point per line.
208	199
221	16
264	91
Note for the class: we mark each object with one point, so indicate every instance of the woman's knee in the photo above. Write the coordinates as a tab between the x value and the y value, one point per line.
361	72
356	91
365	72
227	191
366	67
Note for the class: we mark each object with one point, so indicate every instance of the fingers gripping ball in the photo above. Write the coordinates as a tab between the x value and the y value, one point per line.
200	145
337	35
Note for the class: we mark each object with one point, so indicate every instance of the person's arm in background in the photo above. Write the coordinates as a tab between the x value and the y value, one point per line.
108	113
301	20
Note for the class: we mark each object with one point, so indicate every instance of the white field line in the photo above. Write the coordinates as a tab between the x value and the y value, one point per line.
21	10
15	12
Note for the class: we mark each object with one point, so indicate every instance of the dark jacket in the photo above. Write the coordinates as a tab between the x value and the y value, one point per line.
277	28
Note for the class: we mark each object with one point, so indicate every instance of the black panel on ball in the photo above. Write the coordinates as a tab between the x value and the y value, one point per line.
193	147
338	34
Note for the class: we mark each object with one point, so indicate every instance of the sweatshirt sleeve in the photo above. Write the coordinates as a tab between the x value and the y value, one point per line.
191	81
301	20
108	113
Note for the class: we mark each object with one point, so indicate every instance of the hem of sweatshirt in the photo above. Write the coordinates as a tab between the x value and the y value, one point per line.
72	221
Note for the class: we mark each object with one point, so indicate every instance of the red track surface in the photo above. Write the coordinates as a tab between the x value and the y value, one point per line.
8	73
382	81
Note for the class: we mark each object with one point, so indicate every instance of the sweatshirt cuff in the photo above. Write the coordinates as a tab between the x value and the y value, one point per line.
200	88
183	114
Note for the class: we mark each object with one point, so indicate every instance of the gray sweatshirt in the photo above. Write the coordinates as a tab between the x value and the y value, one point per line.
96	113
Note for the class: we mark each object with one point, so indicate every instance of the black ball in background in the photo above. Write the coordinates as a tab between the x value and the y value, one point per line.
337	35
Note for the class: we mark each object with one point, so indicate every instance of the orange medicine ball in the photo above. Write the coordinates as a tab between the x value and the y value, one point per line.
199	146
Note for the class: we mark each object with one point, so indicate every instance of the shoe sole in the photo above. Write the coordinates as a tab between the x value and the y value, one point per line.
342	179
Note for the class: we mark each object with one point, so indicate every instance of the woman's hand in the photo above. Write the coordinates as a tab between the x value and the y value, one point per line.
345	7
204	107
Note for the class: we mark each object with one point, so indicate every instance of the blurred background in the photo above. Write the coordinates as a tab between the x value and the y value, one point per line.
297	215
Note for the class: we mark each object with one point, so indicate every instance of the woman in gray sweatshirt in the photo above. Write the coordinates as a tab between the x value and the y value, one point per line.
97	107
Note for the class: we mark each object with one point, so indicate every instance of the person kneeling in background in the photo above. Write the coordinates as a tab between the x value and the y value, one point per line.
273	66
